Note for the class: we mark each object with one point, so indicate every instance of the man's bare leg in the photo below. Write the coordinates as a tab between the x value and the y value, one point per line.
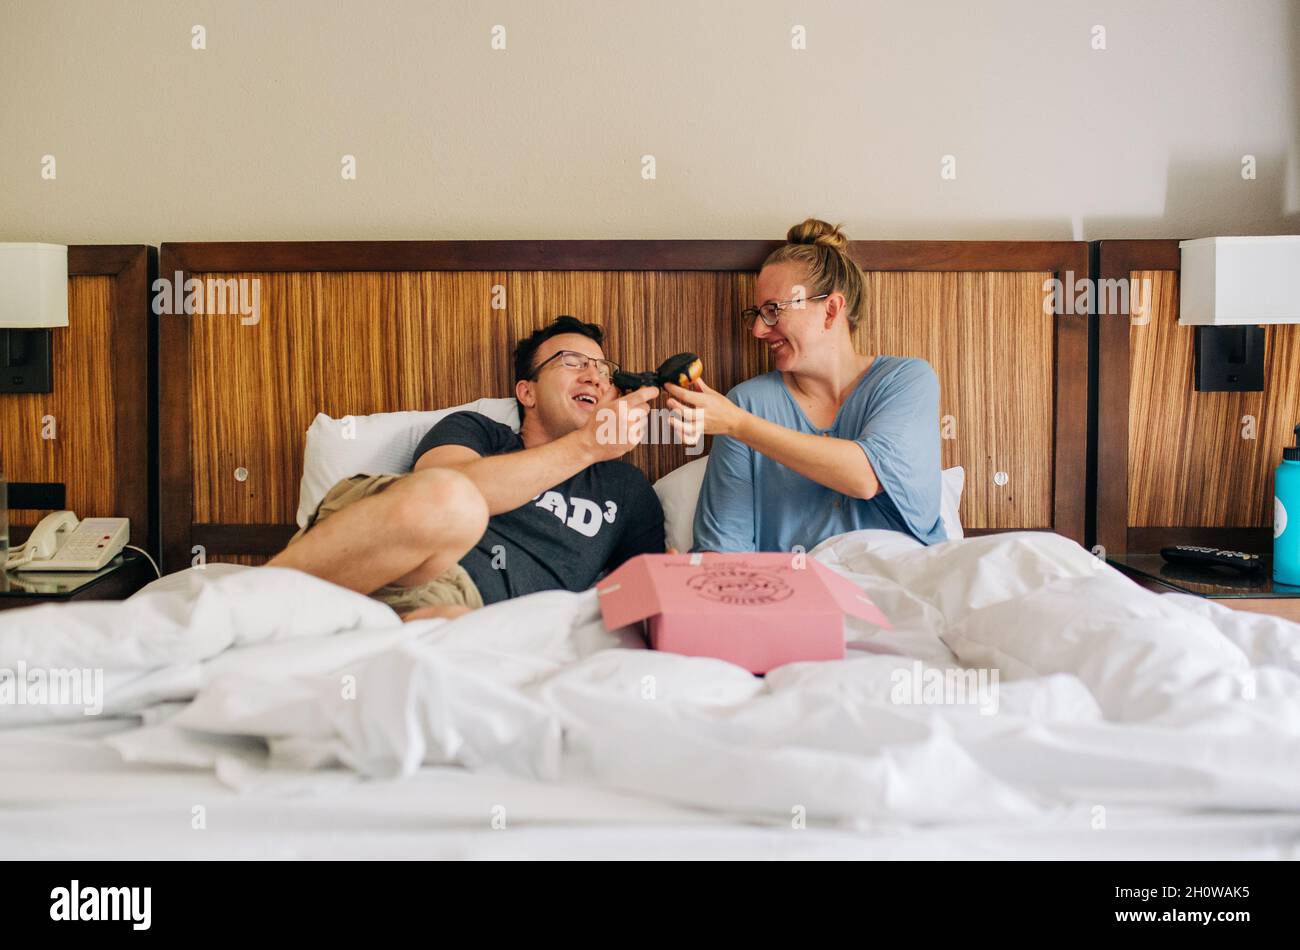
445	611
407	534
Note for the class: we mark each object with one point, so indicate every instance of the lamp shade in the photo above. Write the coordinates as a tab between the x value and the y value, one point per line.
33	286
1240	281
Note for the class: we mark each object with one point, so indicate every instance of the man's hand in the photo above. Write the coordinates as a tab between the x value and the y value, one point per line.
618	425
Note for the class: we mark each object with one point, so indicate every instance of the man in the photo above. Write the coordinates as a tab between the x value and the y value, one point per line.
487	514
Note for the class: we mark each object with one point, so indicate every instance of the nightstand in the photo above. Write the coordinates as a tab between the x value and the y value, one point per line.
119	579
1257	593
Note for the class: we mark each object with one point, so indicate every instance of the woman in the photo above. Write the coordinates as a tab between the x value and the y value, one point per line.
831	441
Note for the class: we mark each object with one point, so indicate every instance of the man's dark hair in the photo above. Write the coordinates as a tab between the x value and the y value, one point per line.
526	351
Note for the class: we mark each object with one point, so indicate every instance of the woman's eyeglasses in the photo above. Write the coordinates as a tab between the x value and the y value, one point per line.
571	359
770	312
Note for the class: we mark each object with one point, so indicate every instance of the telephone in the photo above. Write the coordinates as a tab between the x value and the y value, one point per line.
62	543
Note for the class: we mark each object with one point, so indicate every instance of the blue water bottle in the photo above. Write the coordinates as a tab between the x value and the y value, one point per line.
1286	516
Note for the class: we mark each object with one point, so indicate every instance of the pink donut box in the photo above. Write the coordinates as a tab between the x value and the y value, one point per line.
759	611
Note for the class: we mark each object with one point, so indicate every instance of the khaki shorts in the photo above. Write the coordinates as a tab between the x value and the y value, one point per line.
453	587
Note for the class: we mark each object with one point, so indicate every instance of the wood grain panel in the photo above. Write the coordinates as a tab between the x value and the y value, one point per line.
377	326
992	345
1190	460
336	343
357	343
81	455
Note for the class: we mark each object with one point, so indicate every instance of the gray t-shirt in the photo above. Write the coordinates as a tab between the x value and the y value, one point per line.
567	536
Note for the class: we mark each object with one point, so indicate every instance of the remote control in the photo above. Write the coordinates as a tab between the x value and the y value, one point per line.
1212	557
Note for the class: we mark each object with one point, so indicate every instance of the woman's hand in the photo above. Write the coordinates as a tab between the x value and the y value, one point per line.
704	411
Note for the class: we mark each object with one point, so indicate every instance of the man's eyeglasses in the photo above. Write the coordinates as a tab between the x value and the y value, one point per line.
770	312
571	359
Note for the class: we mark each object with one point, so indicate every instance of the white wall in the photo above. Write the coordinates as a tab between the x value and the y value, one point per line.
155	141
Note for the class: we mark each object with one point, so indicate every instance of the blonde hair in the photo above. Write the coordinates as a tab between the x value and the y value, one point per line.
821	249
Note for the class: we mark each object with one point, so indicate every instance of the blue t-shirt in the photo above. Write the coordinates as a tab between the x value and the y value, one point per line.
751	503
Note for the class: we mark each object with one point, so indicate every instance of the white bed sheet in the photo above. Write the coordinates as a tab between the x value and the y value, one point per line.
1129	725
67	796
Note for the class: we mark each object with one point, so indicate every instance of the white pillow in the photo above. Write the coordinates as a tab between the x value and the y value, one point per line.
954	483
679	493
378	444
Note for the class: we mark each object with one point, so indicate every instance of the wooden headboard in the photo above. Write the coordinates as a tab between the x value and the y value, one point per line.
91	434
1177	466
354	328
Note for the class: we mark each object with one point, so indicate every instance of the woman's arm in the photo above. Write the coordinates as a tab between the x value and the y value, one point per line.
839	464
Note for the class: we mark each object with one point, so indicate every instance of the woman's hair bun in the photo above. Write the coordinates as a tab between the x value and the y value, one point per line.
816	231
821	251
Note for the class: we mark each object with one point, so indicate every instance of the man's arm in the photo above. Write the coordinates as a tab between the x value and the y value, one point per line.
509	480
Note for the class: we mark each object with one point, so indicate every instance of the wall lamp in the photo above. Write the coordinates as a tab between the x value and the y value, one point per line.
1228	287
33	299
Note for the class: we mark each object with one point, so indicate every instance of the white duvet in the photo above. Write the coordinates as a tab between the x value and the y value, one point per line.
1106	694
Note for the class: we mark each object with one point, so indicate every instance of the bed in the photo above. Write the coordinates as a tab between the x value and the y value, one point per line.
264	713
